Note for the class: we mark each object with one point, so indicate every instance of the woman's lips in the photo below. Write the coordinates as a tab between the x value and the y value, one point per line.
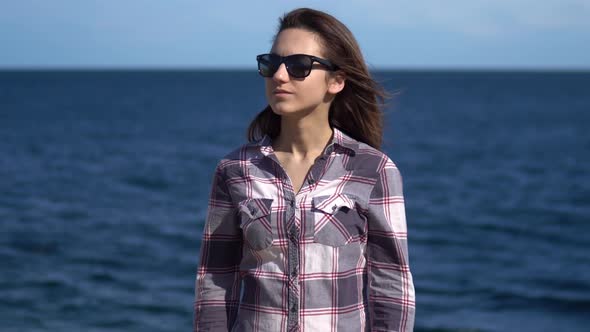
281	92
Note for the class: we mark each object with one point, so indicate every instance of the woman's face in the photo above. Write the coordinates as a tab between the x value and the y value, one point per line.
288	95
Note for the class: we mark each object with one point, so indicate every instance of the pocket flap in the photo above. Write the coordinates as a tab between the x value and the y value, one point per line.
255	207
331	204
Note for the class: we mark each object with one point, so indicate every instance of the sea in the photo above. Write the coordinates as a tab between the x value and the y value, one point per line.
105	176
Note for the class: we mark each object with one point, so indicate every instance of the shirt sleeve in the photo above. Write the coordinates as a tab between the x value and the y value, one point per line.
217	284
391	287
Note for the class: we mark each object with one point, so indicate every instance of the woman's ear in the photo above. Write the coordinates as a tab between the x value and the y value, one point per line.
336	82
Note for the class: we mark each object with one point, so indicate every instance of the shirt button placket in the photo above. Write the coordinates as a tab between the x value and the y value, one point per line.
293	264
294	271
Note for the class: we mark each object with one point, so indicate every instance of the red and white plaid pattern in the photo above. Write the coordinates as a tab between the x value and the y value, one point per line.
332	257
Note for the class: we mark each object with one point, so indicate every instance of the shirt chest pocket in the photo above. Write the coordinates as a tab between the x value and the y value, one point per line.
337	220
255	222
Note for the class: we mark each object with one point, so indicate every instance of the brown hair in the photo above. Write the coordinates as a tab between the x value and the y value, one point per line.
357	109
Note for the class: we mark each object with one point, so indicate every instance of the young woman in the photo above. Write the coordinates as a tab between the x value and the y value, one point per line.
306	227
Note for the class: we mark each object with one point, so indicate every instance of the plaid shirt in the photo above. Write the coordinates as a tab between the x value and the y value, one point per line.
332	257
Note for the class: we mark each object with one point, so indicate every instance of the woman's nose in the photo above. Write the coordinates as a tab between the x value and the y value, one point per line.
281	75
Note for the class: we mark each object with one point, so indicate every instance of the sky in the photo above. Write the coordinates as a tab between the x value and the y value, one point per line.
393	34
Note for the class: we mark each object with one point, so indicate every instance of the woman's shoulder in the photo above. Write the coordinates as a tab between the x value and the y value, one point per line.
370	158
238	156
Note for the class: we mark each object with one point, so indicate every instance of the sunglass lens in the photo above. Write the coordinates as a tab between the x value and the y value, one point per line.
299	65
268	65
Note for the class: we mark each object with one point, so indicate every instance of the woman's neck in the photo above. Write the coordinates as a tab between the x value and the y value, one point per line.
303	137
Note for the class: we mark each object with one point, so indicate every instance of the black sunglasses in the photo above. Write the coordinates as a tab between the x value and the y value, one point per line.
298	65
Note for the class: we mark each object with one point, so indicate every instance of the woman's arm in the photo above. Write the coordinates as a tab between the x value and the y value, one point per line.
391	288
217	286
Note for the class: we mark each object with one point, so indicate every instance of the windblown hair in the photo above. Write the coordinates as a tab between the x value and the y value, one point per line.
357	110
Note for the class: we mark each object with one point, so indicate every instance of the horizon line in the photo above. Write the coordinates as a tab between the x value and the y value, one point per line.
254	69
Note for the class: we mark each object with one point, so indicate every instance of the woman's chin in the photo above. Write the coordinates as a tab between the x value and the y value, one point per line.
292	111
282	109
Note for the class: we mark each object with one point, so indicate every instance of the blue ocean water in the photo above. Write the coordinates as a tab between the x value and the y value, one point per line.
104	178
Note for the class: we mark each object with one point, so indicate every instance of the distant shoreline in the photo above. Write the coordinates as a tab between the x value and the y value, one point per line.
240	69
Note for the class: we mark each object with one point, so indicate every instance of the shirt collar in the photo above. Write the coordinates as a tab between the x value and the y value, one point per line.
343	140
339	140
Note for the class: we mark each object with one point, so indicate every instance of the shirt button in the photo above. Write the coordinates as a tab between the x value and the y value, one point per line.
311	181
294	271
294	308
